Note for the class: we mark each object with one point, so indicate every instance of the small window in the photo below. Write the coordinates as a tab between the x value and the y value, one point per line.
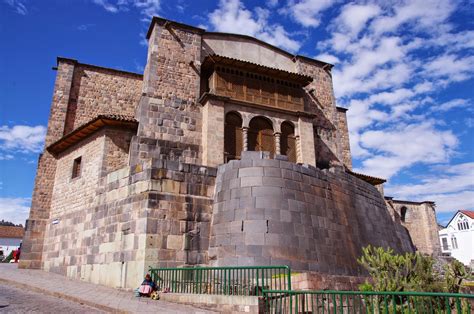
454	242
445	243
76	167
403	214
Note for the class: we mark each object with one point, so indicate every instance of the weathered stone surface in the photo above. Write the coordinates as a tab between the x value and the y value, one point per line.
322	228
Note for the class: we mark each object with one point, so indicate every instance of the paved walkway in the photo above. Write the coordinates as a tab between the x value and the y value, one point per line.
17	300
100	297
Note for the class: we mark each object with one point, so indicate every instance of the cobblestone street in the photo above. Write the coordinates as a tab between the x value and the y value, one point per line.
24	300
15	300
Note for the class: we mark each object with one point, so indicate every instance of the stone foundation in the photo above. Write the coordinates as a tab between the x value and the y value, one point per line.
273	212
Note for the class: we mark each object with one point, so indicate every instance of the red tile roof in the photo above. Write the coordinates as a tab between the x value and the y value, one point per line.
468	213
11	232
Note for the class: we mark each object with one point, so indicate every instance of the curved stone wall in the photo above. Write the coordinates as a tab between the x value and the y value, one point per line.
273	212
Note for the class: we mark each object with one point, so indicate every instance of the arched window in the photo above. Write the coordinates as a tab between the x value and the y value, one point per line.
403	213
232	136
260	135
288	141
463	224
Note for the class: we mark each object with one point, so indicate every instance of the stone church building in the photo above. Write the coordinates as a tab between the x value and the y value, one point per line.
226	151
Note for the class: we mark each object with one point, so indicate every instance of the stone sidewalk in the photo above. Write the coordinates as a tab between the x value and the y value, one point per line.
103	298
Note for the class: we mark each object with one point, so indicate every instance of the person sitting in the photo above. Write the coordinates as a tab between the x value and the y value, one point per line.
147	286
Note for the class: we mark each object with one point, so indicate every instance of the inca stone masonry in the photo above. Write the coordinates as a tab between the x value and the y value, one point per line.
226	151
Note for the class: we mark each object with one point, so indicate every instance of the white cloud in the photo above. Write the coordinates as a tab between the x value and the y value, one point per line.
307	12
454	103
18	6
107	6
453	201
391	98
452	187
232	17
23	138
451	67
354	17
427	15
148	8
372	67
6	156
14	209
326	57
455	41
404	146
394	58
272	3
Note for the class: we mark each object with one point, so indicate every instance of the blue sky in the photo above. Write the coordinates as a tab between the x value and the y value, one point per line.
403	68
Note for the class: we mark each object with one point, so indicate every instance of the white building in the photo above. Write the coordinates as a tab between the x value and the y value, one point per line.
457	238
10	239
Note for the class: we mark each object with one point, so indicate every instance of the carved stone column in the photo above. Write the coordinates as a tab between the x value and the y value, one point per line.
299	155
245	139
277	143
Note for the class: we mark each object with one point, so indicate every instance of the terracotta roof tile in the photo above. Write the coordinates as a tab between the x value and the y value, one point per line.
11	232
468	213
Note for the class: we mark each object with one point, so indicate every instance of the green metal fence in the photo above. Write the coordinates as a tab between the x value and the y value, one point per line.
284	301
223	280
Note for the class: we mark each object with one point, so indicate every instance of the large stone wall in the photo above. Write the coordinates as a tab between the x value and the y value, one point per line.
320	101
420	221
117	146
32	247
96	90
168	110
73	194
108	228
273	212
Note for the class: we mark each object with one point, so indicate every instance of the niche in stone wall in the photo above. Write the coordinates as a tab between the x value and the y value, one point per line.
403	213
288	141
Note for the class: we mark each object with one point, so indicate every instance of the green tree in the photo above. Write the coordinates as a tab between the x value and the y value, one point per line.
402	272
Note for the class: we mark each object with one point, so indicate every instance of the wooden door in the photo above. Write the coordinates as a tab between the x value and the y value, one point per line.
232	136
260	135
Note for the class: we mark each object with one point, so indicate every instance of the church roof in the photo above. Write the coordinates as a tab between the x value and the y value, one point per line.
468	213
11	232
89	128
210	60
